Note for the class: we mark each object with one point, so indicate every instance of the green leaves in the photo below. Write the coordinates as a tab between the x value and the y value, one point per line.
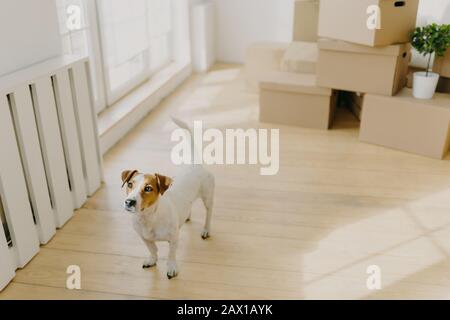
431	39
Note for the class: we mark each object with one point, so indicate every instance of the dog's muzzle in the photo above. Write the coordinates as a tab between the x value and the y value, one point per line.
130	205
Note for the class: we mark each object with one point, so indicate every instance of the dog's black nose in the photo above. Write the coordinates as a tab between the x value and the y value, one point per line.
130	202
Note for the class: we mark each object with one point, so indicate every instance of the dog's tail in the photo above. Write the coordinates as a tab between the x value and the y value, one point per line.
182	124
194	150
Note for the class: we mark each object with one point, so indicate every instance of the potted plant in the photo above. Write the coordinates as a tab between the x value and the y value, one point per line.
429	40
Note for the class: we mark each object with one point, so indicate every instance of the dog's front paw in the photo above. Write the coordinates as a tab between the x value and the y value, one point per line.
150	262
172	269
205	234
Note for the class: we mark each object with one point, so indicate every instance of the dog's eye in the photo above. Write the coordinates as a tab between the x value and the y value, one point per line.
148	189
130	185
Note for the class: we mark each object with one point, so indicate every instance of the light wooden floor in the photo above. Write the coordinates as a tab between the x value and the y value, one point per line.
336	207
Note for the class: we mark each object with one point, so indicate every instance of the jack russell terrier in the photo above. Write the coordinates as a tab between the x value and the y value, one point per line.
161	205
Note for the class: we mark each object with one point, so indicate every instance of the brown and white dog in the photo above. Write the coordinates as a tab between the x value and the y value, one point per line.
161	205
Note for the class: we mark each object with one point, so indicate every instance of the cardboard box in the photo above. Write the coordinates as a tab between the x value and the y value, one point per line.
300	57
262	59
408	124
353	101
443	85
357	98
352	67
442	65
356	110
306	20
348	20
294	99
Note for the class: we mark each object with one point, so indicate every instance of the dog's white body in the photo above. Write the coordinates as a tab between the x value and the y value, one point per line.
163	220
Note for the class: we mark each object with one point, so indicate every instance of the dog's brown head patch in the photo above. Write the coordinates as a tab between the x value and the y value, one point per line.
148	191
127	176
163	183
145	189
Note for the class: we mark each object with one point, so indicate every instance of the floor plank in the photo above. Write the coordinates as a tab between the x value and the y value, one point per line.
22	291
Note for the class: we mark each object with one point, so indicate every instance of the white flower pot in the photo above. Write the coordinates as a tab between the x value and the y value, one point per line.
424	87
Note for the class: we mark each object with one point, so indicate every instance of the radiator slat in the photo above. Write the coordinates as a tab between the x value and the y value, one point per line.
52	148
88	133
14	192
7	266
32	160
70	136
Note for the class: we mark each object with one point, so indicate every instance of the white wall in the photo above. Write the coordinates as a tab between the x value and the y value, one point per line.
29	33
30	27
434	11
242	22
430	11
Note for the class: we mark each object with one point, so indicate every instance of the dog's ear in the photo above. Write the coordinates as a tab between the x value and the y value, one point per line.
163	183
127	175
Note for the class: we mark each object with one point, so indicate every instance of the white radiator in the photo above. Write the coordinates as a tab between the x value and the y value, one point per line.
50	158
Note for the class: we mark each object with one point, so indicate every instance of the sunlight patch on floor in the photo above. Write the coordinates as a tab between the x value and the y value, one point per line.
414	241
221	76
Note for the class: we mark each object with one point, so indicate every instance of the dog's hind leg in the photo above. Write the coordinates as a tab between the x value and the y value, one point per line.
207	228
189	217
207	196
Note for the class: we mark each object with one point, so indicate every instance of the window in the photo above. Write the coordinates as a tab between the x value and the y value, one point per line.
73	26
79	36
136	41
127	41
161	33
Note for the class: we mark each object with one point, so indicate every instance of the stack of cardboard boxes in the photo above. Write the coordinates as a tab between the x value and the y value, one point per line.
357	55
291	95
363	52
